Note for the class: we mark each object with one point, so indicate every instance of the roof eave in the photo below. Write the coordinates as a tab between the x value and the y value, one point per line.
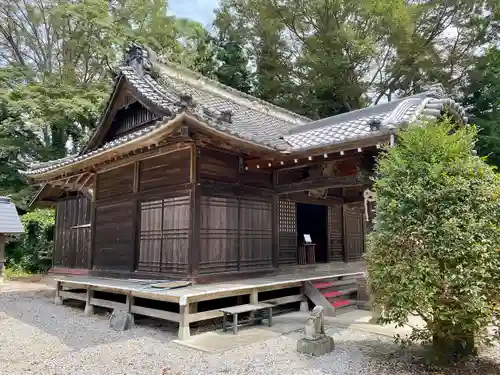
141	141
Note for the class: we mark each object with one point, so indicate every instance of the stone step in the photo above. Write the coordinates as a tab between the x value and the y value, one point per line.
343	303
332	286
332	296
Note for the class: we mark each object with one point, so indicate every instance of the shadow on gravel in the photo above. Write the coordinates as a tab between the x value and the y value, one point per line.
389	357
68	322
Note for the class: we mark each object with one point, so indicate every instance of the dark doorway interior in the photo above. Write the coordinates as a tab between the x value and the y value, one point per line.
313	219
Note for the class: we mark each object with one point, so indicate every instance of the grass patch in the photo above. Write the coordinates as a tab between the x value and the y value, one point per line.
12	273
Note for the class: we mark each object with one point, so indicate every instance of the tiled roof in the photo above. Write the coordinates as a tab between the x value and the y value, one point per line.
373	121
9	219
172	90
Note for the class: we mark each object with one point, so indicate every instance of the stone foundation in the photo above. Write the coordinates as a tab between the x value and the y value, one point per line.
317	347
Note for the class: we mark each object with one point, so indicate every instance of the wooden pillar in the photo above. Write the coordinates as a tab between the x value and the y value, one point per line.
304	304
136	221
184	331
58	300
195	205
89	308
344	234
275	225
93	211
254	300
2	256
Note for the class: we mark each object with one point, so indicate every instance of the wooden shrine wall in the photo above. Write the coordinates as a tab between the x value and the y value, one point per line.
142	215
164	235
354	231
71	241
235	215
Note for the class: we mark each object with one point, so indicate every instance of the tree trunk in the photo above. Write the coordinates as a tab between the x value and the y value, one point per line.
452	343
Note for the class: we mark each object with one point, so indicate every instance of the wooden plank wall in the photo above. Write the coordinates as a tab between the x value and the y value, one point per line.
164	235
114	220
218	234
235	219
256	235
165	170
72	245
354	231
142	215
114	236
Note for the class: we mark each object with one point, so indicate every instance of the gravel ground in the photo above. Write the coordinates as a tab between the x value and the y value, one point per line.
40	338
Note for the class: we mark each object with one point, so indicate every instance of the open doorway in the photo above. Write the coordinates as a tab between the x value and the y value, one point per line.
313	219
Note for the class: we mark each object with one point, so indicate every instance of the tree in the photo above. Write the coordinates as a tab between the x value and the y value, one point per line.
232	62
434	249
482	100
57	60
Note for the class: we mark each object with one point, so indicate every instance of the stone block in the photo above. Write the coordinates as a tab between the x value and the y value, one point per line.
316	347
121	320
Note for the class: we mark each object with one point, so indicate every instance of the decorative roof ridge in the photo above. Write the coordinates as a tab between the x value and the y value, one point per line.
50	162
433	91
242	98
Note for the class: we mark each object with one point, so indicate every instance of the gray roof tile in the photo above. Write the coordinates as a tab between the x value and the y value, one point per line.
9	219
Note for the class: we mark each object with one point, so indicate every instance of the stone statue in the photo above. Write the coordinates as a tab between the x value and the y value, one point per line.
315	325
315	342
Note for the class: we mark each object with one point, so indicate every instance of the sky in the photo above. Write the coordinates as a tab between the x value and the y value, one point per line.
198	10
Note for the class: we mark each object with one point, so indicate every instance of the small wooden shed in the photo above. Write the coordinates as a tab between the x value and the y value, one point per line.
9	224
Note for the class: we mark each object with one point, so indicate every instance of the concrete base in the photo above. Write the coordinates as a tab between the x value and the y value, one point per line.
315	347
304	306
89	310
121	320
58	301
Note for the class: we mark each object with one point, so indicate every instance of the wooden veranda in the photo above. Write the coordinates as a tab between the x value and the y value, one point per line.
200	302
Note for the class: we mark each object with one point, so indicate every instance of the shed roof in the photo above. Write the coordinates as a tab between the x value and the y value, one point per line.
9	218
174	90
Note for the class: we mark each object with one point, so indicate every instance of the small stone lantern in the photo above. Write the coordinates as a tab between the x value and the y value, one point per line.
9	224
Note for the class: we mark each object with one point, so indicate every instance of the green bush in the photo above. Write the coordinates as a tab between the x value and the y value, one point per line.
435	248
32	251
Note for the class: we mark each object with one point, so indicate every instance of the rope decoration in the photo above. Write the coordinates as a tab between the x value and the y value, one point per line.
370	197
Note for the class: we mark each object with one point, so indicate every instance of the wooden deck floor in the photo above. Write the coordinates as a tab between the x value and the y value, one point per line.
187	298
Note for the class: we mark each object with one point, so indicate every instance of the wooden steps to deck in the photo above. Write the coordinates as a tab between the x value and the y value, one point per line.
334	294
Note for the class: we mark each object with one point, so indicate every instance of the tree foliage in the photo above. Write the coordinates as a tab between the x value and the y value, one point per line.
434	251
32	251
321	58
482	99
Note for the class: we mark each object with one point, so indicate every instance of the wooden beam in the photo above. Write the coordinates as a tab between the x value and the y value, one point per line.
302	197
162	149
324	182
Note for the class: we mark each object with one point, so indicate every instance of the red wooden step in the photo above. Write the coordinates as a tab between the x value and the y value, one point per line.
323	285
341	303
332	294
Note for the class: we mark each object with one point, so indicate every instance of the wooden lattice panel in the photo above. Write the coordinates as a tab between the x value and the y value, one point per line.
287	225
335	237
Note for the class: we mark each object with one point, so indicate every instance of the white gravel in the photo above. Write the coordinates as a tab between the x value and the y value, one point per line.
38	337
